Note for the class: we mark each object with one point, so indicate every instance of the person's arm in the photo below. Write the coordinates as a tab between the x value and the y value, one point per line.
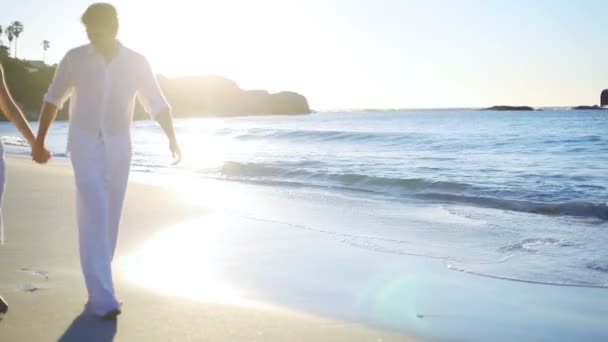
165	120
47	115
13	113
158	108
58	93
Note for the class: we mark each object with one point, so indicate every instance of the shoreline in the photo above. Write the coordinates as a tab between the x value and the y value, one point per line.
365	283
42	242
169	236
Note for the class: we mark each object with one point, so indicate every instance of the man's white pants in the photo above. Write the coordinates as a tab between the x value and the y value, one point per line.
101	169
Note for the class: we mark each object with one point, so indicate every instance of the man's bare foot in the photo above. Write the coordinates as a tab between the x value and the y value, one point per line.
3	306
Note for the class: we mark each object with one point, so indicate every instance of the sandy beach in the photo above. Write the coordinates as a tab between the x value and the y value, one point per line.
227	261
41	279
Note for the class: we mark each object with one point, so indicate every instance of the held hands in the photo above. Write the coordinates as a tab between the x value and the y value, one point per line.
40	154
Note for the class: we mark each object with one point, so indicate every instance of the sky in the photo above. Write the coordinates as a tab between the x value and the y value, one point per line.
347	54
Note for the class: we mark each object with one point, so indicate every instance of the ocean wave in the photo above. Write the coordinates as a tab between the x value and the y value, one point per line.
253	171
14	141
581	209
489	274
598	267
574	140
319	135
420	188
535	244
27	152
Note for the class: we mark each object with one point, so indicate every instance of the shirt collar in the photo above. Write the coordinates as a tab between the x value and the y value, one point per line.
91	49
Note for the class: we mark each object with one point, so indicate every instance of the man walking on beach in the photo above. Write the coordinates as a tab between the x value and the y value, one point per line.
103	78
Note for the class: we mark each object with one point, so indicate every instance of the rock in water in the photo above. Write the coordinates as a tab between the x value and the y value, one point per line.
595	107
604	98
510	108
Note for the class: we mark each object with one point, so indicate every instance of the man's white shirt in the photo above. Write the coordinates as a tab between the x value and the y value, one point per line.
102	94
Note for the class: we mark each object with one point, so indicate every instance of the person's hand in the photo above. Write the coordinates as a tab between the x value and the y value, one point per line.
40	154
176	152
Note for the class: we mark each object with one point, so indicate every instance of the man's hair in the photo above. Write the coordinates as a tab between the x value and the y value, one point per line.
101	15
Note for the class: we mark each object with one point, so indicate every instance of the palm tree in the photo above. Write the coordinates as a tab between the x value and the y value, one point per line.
45	46
17	29
9	34
1	42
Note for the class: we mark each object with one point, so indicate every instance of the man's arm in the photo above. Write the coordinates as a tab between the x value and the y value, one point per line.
12	111
59	90
157	107
47	116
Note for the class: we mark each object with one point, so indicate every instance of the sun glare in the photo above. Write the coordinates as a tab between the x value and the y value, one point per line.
185	261
205	36
260	45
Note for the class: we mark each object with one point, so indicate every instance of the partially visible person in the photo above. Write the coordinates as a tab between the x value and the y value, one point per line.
11	111
102	80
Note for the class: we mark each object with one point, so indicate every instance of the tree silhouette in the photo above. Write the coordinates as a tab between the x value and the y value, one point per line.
10	35
45	46
17	29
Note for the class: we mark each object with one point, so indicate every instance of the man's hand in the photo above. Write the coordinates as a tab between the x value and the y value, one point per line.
176	152
165	120
40	154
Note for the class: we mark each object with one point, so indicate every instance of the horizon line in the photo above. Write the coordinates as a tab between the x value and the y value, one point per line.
396	109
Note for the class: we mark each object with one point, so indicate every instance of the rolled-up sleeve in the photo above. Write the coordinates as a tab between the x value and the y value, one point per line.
61	86
149	92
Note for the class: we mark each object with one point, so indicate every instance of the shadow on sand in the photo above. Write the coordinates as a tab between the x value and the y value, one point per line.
91	329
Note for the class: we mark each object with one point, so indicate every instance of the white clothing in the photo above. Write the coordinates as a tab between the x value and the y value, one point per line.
101	174
103	93
99	142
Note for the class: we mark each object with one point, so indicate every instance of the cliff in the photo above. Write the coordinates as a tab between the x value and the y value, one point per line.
189	96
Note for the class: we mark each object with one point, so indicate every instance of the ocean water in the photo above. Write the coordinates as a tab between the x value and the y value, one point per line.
515	195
